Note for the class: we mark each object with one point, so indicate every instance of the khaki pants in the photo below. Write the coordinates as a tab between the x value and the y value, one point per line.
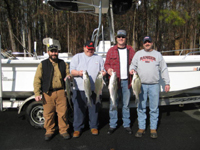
55	102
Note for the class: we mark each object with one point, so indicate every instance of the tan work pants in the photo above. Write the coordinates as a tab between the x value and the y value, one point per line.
55	102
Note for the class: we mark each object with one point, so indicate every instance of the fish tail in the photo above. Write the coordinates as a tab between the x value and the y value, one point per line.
98	99
89	102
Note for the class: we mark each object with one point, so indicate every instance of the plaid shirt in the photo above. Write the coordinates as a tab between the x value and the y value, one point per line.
112	61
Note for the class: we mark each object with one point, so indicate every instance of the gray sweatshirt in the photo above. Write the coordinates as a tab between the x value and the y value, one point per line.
149	65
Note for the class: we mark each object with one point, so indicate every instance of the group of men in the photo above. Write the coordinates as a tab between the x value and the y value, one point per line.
51	75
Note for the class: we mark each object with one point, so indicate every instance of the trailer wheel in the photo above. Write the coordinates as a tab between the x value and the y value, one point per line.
34	113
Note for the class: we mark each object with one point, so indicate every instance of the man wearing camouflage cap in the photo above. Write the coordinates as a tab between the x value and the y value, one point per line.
49	80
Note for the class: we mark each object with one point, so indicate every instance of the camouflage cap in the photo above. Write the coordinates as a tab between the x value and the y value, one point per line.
52	47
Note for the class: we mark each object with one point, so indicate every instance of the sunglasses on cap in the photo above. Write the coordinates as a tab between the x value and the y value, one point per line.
121	37
53	46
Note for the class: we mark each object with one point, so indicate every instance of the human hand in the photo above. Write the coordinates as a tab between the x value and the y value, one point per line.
69	77
109	71
80	73
132	72
103	72
167	88
38	98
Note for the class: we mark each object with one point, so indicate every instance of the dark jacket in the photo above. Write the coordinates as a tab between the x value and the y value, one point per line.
48	70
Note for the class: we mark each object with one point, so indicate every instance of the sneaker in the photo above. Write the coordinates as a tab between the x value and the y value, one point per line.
110	130
94	131
66	136
139	133
48	137
153	134
129	130
76	134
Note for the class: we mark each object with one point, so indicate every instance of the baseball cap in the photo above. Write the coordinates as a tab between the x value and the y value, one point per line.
147	38
51	47
121	33
89	45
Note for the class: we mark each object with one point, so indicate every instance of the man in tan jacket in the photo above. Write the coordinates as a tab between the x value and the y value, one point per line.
49	80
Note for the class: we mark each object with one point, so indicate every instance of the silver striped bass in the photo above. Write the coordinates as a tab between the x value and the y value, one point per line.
113	89
136	86
87	87
99	82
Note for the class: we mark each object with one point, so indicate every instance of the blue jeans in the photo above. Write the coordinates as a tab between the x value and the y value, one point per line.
125	95
80	109
151	90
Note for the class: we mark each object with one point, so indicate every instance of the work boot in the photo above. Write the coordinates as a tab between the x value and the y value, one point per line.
48	137
94	131
139	133
153	134
76	134
110	130
66	136
128	130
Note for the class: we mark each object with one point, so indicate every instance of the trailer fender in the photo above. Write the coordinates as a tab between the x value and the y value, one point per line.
25	102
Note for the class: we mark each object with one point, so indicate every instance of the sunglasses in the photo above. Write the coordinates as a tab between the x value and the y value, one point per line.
147	42
121	37
53	46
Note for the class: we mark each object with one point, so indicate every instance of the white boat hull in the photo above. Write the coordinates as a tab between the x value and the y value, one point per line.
184	75
18	76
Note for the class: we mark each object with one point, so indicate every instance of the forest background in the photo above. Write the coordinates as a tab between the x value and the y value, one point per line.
173	25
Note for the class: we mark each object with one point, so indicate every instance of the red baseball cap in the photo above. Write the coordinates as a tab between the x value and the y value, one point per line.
89	45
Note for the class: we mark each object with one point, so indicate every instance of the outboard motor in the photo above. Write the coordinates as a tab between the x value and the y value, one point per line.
120	7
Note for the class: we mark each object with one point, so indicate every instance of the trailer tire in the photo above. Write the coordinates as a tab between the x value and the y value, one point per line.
34	114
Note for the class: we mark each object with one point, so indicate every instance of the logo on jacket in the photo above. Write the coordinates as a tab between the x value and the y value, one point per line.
147	59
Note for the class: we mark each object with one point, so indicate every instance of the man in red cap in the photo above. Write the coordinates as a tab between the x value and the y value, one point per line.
93	64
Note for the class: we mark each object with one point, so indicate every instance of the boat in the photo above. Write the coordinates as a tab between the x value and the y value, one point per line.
18	72
18	76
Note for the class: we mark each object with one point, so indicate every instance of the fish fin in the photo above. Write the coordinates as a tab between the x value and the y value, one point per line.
100	93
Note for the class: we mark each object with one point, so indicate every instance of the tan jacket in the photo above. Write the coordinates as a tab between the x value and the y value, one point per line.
56	77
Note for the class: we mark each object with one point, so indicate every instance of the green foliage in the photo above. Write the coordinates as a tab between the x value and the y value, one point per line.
173	17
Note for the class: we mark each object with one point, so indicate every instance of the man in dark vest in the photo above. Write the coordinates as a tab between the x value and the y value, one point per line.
49	80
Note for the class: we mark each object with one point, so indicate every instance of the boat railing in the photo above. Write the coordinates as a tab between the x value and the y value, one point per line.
182	50
7	55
